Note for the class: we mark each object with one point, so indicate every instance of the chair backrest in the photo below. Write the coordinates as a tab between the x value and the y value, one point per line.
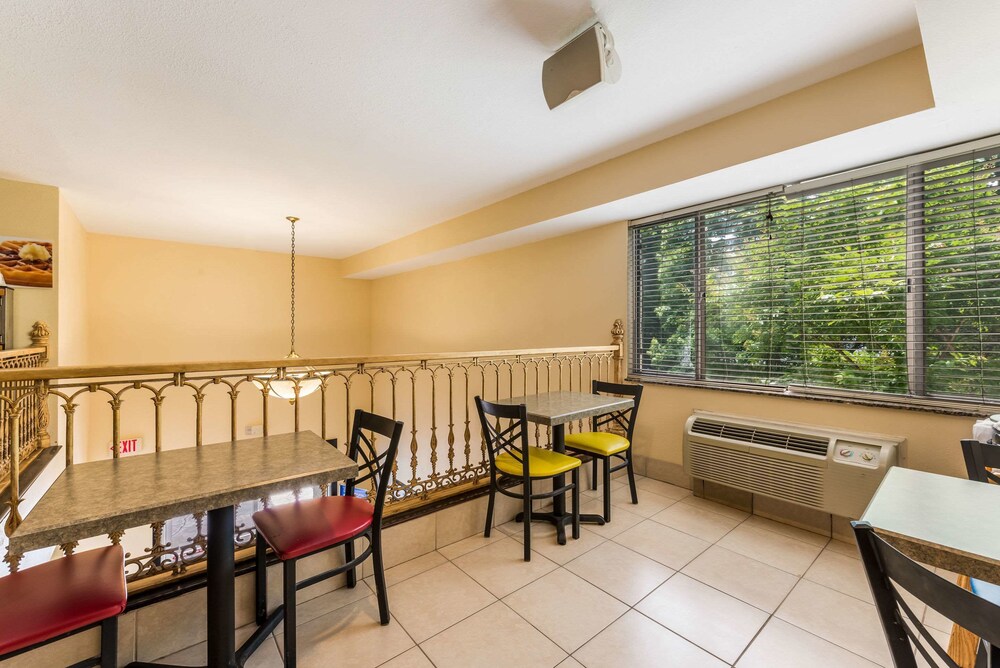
625	420
979	458
888	569
372	465
508	434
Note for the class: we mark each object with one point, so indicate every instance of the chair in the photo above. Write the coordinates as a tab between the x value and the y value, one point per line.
304	528
61	597
979	459
888	570
511	457
605	445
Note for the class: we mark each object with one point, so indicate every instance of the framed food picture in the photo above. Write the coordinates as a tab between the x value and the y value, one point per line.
26	263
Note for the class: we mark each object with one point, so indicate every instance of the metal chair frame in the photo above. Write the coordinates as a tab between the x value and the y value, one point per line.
624	420
373	466
513	439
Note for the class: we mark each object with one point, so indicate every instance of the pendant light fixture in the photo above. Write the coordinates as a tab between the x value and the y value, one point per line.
291	384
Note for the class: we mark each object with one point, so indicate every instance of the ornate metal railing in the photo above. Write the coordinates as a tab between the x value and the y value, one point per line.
110	411
30	431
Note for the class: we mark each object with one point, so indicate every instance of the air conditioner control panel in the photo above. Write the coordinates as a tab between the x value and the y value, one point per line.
857	454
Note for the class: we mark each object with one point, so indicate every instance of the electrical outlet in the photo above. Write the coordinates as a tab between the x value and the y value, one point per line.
255	430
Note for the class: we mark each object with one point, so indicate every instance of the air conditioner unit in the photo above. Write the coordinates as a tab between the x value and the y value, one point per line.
830	470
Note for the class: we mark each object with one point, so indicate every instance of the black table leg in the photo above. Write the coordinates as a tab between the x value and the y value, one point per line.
559	517
221	592
221	588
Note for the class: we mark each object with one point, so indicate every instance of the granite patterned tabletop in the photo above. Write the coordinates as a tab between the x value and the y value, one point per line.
553	408
939	520
111	495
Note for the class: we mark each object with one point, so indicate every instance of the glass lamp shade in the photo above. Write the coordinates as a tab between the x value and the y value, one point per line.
284	387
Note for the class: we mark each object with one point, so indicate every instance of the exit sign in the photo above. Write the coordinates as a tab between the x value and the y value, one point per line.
128	446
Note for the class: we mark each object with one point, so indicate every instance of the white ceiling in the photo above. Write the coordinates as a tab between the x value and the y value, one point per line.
210	121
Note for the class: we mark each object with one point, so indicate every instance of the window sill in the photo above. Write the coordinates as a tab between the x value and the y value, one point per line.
929	405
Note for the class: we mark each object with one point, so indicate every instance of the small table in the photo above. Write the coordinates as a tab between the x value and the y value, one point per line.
555	409
946	522
113	495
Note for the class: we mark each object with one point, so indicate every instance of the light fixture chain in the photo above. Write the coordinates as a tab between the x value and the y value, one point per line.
292	219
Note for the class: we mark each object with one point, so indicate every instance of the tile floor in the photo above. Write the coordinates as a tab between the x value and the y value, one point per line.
672	581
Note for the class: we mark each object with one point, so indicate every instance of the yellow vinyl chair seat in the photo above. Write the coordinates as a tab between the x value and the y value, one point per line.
542	463
598	442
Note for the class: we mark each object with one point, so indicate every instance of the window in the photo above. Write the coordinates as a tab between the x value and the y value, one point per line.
888	283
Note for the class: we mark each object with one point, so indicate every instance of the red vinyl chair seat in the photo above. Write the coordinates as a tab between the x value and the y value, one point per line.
60	596
296	529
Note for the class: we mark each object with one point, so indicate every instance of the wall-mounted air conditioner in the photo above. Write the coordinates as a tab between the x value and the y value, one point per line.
830	470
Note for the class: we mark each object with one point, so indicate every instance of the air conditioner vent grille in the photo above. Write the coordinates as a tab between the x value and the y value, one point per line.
799	482
810	445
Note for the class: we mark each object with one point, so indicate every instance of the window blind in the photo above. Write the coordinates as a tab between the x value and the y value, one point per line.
884	284
957	204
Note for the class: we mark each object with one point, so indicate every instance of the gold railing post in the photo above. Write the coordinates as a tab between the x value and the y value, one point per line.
618	339
13	418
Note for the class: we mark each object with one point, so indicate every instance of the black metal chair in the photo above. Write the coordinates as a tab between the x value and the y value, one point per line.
980	458
607	445
888	570
511	456
62	597
304	528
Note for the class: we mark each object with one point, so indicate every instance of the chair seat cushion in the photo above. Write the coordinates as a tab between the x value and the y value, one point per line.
986	590
598	443
61	596
542	463
297	529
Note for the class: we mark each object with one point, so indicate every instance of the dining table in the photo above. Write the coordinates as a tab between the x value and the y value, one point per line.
556	410
939	520
112	495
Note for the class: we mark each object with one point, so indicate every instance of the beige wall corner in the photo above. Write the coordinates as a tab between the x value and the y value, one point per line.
890	88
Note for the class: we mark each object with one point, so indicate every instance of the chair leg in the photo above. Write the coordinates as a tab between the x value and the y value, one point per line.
352	578
289	602
593	473
576	503
489	510
260	580
109	642
527	520
631	476
383	598
607	490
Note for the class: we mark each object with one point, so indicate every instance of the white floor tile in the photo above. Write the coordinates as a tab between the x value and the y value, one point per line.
623	573
636	641
566	608
747	579
495	636
716	622
775	549
781	645
434	600
500	567
672	548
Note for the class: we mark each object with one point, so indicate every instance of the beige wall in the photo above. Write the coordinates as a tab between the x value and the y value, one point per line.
31	211
72	287
559	292
157	301
568	291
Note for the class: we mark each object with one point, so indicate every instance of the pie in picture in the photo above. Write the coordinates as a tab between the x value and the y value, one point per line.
26	263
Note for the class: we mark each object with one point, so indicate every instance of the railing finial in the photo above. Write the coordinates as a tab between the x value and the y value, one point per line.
40	338
618	339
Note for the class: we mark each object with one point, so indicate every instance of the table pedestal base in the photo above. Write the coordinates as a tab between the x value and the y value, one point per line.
560	521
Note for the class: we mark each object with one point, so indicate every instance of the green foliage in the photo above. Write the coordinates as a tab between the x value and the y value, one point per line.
812	288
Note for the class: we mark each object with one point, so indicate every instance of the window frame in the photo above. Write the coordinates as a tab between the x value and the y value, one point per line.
913	168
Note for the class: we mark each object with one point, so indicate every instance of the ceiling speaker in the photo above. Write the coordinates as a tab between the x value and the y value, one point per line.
586	61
